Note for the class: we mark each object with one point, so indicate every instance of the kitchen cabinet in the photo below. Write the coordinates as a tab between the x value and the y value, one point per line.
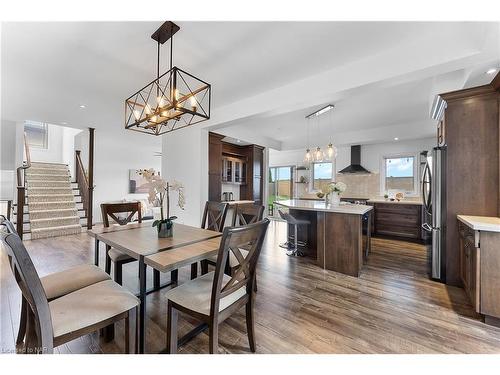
469	264
398	220
233	170
479	264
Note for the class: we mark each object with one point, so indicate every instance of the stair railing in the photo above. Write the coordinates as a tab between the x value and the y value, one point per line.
85	180
21	188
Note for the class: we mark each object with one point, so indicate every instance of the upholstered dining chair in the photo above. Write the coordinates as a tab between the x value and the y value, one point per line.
53	323
214	218
59	284
215	296
244	214
118	258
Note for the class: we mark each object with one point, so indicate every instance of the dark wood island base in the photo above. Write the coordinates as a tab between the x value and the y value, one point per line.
338	237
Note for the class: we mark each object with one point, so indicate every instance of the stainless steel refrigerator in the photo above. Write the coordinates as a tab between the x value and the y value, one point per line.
434	204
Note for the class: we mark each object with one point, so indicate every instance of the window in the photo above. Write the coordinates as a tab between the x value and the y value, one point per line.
321	174
36	134
399	174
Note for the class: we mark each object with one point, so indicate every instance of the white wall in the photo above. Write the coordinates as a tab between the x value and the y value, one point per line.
185	158
68	148
115	152
7	159
53	153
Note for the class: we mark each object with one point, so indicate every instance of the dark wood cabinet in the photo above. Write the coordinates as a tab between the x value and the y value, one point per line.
469	264
399	220
230	163
471	134
214	167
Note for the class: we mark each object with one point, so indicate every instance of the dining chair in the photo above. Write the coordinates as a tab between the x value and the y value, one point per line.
215	296
59	284
81	312
214	218
110	210
244	214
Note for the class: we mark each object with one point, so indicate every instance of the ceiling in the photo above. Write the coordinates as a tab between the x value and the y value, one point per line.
265	76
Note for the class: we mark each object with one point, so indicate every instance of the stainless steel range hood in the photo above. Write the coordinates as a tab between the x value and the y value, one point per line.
355	166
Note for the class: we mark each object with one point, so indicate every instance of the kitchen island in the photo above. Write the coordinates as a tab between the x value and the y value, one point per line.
338	236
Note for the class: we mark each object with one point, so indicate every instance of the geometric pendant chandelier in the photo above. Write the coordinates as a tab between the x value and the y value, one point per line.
174	100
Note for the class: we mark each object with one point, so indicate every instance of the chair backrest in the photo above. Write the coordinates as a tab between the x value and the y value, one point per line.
247	214
29	282
109	210
250	239
287	217
214	216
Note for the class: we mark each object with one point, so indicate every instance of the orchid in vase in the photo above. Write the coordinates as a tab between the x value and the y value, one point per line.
335	188
159	191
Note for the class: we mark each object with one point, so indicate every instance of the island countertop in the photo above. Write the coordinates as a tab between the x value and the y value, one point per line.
309	205
483	223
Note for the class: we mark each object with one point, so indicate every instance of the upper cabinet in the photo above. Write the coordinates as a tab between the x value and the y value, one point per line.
233	170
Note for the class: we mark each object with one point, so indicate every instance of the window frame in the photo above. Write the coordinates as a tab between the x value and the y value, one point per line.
416	178
45	138
311	187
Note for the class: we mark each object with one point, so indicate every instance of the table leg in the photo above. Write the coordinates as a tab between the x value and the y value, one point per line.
156	279
142	309
368	235
96	252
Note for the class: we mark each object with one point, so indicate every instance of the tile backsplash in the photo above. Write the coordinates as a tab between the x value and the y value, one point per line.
361	185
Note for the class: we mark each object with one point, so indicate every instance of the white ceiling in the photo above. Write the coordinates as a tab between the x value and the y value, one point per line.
266	76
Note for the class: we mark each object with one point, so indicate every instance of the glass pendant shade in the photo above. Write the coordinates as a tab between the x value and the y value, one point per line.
331	152
318	154
308	156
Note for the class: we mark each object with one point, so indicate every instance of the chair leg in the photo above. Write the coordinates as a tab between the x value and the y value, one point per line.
22	322
31	341
250	324
213	337
156	279
107	266
130	334
204	267
194	270
172	318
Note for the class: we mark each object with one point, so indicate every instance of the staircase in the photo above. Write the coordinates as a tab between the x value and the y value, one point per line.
53	205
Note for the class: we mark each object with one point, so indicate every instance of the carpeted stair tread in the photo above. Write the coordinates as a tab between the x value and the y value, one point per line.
53	222
46	183
49	190
47	177
62	230
58	212
50	198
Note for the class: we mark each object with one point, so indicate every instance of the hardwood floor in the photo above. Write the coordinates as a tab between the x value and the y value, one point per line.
391	308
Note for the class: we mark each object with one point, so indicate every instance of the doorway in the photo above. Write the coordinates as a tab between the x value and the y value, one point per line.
280	185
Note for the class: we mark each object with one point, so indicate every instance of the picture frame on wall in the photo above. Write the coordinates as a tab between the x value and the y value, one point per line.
137	184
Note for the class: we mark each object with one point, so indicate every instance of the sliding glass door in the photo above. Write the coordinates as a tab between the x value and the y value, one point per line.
280	184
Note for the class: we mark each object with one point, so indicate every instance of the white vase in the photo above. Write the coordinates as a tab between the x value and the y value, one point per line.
335	199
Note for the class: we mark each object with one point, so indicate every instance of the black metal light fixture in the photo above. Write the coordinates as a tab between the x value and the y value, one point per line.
174	100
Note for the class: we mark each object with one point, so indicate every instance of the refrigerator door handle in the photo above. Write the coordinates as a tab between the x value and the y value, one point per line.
426	227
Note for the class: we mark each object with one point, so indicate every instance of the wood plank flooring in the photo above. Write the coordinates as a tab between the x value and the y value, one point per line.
391	308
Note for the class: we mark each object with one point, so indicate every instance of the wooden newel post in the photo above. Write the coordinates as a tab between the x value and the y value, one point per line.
21	197
91	179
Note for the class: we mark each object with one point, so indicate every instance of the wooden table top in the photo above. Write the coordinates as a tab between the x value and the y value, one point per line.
176	258
141	239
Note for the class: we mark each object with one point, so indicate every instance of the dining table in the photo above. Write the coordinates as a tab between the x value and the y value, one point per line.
187	245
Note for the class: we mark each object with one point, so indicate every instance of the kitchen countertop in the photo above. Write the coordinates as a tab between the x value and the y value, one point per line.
382	200
484	223
309	205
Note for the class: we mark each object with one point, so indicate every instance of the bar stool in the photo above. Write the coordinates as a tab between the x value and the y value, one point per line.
293	248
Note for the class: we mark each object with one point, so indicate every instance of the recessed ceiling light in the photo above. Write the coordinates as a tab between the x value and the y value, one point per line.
238	141
396	138
491	71
82	106
64	123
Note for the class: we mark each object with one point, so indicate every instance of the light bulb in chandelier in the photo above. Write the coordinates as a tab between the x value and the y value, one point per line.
308	156
147	109
318	154
161	101
192	100
331	151
137	115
